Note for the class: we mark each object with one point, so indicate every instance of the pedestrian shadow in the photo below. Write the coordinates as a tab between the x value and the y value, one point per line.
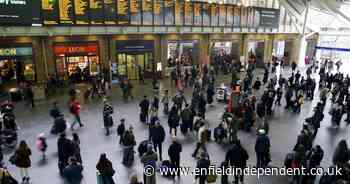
42	162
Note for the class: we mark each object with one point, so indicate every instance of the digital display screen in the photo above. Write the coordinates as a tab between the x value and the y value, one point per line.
214	15
222	15
197	14
66	11
49	12
135	12
179	12
229	19
96	12
206	14
158	12
110	12
123	12
20	12
81	10
188	13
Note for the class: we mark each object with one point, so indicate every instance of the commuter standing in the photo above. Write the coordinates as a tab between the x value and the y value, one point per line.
144	106
73	172
262	149
121	130
202	164
158	137
65	150
237	157
174	152
23	161
107	116
128	151
149	160
105	169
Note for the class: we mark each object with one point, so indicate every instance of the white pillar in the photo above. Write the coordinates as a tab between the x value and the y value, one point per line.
302	39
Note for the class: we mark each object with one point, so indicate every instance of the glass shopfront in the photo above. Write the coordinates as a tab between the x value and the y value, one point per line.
257	49
134	58
182	52
224	49
77	60
16	65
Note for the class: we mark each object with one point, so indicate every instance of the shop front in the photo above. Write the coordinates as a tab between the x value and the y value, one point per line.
256	51
77	61
185	53
16	65
282	50
224	49
135	59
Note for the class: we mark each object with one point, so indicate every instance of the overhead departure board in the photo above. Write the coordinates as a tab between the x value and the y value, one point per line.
96	11
197	14
179	12
110	12
123	12
135	12
81	10
147	11
19	12
188	13
206	14
158	12
169	6
66	11
50	12
229	16
237	16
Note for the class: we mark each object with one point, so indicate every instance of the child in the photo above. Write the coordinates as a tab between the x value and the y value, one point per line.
41	144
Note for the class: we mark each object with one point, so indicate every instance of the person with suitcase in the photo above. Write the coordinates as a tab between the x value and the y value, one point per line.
144	106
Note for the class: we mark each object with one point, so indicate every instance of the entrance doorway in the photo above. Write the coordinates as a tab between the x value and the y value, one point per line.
132	65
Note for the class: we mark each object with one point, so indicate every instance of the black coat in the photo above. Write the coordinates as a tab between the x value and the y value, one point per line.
237	156
66	149
202	164
157	134
262	144
144	105
174	120
174	150
73	173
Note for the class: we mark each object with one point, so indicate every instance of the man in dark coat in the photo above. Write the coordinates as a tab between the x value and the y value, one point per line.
257	84
65	150
107	118
186	117
237	157
174	152
202	106
73	172
262	149
202	164
158	137
173	121
144	105
294	66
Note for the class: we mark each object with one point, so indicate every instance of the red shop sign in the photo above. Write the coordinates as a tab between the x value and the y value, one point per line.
75	49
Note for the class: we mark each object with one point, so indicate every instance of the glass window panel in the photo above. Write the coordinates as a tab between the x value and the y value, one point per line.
179	12
256	19
147	12
158	12
214	15
222	15
237	17
229	16
244	16
169	6
135	12
206	14
188	13
198	14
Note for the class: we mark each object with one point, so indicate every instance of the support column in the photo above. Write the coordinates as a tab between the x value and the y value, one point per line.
302	39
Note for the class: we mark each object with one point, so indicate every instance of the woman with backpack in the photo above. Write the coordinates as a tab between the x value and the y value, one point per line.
22	160
105	169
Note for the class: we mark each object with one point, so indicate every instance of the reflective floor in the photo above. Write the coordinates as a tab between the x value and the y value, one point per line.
284	128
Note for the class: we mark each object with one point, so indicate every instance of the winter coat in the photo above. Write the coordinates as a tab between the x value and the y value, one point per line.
341	155
121	129
237	156
128	139
202	164
23	158
150	159
157	134
173	120
75	107
65	149
73	173
186	115
174	150
55	112
105	168
144	105
262	144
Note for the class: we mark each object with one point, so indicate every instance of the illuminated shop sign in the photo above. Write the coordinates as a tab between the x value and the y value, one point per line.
75	49
20	51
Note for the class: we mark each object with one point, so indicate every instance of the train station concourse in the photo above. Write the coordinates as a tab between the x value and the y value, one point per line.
174	91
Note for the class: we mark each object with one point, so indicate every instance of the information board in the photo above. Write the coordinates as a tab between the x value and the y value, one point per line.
135	12
96	12
49	12
110	13
169	6
214	15
237	16
222	15
81	11
206	14
66	12
147	11
158	12
123	12
269	17
229	16
188	12
179	12
19	12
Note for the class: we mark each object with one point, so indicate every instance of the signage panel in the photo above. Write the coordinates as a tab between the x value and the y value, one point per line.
16	51
81	11
96	11
110	12
20	12
75	49
269	17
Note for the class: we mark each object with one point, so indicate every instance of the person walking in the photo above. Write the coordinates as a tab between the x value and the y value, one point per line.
158	137
75	108
73	173
76	146
174	153
128	151
105	169
65	150
262	149
341	154
202	164
121	130
237	157
23	161
107	116
144	106
186	118
165	102
149	160
42	144
173	121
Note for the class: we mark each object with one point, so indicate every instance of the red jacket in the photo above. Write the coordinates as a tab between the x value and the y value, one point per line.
75	107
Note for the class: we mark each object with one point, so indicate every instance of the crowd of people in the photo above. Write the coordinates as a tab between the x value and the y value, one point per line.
254	104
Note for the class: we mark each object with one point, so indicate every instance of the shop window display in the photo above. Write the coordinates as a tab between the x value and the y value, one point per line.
180	53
